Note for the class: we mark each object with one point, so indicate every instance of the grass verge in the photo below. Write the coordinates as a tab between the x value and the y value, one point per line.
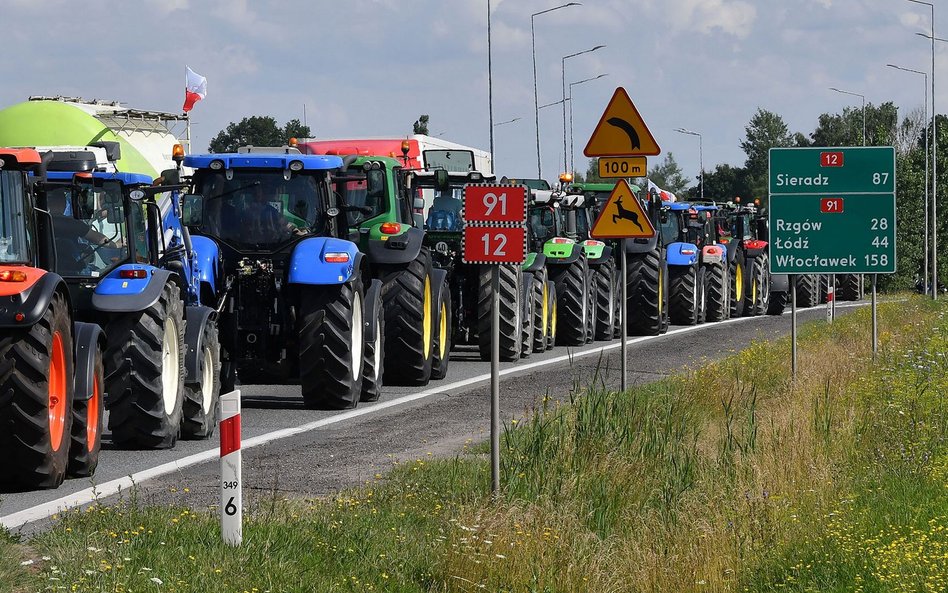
730	477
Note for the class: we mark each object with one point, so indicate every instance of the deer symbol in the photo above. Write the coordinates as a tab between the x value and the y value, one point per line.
626	214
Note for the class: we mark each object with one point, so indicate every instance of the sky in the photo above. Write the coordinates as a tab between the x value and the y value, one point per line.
370	67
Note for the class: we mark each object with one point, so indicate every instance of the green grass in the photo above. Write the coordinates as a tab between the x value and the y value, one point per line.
730	477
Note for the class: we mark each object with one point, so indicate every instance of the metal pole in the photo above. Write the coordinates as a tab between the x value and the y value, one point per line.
928	139
833	288
623	320
536	99
875	320
572	166
701	158
934	172
793	326
490	88
563	72
495	381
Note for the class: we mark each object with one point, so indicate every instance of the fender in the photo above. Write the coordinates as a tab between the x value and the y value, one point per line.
641	245
208	256
88	338
372	296
124	295
604	257
397	249
33	301
754	247
713	254
308	263
534	263
681	254
779	283
561	253
196	319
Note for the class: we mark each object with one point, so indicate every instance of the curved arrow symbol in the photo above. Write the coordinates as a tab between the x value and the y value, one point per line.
628	129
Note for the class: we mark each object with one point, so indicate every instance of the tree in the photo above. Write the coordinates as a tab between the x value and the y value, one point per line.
668	175
257	130
421	125
725	182
592	172
765	130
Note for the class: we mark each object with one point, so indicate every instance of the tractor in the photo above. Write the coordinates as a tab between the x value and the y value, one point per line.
293	294
52	380
703	231
744	231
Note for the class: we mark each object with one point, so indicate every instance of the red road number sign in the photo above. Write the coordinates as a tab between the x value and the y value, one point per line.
502	204
831	205
494	245
831	159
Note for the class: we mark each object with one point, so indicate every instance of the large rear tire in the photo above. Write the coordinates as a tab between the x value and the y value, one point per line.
201	399
541	312
410	315
510	312
572	292
331	345
645	308
738	286
554	311
144	373
683	297
847	287
528	321
778	302
761	289
88	416
808	290
36	393
604	279
716	291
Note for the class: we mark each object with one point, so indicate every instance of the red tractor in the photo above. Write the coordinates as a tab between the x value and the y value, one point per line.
51	373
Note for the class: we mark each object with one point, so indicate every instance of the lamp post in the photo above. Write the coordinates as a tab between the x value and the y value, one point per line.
490	88
533	49
863	97
927	140
700	155
579	53
572	165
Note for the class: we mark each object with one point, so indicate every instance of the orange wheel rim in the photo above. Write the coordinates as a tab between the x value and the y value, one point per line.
57	393
92	428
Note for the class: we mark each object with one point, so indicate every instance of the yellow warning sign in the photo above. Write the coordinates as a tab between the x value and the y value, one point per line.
622	217
621	131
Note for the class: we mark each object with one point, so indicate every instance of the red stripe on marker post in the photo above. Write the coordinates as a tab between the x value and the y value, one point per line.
230	435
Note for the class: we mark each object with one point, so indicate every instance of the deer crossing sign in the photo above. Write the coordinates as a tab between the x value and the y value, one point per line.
622	216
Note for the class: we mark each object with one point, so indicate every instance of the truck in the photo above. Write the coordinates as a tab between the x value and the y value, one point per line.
52	380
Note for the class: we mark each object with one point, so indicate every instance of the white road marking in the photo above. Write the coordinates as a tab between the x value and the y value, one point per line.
42	511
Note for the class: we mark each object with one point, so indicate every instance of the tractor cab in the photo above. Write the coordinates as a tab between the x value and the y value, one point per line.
443	193
18	242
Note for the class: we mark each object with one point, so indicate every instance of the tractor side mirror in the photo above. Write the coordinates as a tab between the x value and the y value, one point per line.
192	210
762	229
170	177
441	179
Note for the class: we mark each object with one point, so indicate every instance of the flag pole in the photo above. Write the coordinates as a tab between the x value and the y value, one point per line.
187	120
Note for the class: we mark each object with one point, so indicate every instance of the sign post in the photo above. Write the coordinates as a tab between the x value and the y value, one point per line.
832	211
231	487
494	234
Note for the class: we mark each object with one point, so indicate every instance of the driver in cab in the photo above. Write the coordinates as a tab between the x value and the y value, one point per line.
264	221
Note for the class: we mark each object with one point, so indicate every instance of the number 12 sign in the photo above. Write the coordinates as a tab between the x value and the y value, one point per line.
495	218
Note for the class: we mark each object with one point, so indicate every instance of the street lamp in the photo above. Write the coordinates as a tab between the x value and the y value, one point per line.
572	165
533	49
927	136
700	155
579	53
863	110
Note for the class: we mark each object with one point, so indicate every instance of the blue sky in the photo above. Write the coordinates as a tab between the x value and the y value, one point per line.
370	67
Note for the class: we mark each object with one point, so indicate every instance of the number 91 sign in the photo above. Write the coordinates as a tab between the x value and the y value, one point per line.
495	218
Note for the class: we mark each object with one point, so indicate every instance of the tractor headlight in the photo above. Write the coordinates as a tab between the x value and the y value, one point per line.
216	165
296	166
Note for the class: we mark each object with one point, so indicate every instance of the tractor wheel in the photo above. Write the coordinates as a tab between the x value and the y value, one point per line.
572	291
592	295
144	373
738	287
618	305
442	345
510	310
847	287
683	294
87	420
808	290
645	287
702	295
527	317
373	363
331	342
605	320
410	315
824	287
541	312
716	292
778	302
554	312
36	391
761	278
201	399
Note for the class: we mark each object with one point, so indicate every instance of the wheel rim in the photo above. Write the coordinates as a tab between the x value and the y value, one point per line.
92	426
738	282
754	291
57	393
661	292
170	357
546	309
612	305
357	336
443	332
553	320
207	380
694	293
426	319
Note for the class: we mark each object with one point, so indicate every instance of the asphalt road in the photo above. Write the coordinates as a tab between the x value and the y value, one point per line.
291	451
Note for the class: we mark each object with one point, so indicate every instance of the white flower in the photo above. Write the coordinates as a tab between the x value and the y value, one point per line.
26	562
157	581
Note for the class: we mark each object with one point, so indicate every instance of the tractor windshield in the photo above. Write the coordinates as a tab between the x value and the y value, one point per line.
446	204
671	227
260	209
363	191
545	222
15	239
89	227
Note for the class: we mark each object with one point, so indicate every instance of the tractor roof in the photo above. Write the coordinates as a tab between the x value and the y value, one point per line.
254	160
19	156
586	186
677	206
125	178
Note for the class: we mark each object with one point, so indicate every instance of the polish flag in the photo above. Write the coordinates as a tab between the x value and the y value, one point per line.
195	89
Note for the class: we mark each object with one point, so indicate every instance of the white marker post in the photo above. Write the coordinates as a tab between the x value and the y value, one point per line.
831	300
231	498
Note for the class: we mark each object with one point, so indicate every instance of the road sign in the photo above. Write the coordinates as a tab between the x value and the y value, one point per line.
832	211
494	245
619	167
495	204
622	216
621	131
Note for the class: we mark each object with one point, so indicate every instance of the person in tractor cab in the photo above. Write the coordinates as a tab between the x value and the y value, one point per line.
74	236
262	219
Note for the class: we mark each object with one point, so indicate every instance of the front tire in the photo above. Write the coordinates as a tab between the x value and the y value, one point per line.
541	312
201	399
410	313
761	289
683	295
510	311
87	424
373	365
716	291
604	278
738	288
808	288
572	291
442	346
645	309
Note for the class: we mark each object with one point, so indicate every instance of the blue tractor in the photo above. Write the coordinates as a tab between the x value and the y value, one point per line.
295	299
686	275
132	268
